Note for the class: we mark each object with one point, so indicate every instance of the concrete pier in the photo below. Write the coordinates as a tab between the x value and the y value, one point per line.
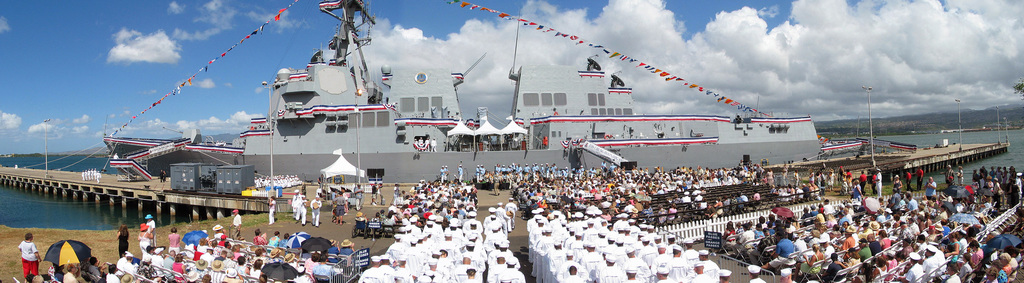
929	159
147	194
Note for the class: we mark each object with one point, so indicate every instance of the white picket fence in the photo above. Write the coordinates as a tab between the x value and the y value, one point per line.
695	230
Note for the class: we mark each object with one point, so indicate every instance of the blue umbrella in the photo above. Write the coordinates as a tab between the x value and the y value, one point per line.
192	238
1000	242
295	241
964	218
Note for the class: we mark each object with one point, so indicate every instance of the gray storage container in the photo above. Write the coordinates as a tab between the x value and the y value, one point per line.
233	179
185	177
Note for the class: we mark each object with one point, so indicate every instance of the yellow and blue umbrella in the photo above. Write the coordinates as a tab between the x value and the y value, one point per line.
68	251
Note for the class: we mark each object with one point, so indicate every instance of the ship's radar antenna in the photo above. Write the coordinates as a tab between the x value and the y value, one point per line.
318	57
616	81
592	64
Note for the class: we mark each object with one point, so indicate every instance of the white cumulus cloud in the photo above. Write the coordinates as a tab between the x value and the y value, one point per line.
9	121
80	129
218	13
132	46
42	127
206	83
918	55
286	23
82	120
175	8
4	26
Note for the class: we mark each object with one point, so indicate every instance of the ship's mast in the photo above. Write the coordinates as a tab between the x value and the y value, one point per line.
347	35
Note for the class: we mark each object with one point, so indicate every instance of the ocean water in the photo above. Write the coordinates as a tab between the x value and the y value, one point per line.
27	209
1013	157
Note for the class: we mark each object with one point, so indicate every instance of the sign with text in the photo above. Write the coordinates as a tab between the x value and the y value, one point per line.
712	240
362	257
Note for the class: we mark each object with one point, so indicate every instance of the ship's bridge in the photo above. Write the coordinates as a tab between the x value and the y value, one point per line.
564	90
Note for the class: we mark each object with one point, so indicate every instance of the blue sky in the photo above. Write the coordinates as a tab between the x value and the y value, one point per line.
84	64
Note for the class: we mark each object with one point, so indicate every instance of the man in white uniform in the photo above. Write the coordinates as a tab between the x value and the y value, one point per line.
755	272
315	206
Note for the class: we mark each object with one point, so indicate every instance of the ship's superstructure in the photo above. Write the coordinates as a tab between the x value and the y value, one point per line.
560	115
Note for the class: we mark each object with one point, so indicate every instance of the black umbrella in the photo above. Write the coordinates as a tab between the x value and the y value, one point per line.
957	192
68	251
949	206
985	192
316	244
280	271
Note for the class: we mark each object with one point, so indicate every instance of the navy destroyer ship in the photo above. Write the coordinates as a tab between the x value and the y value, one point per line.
561	115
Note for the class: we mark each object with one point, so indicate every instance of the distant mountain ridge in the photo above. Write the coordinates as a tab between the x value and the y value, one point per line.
923	123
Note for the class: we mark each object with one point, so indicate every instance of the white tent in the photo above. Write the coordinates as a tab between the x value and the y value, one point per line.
341	167
460	129
513	128
487	129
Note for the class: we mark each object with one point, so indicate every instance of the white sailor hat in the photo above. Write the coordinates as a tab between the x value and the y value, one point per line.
435	252
631	269
432	261
754	269
688	241
503	244
663	269
786	272
915	256
676	247
375	258
704	252
698	264
491	209
671	236
724	273
511	261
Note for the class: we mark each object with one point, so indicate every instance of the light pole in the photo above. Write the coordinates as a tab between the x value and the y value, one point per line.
270	122
960	125
997	125
871	127
1006	130
46	148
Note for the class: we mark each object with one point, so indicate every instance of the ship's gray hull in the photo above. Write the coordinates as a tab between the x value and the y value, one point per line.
412	167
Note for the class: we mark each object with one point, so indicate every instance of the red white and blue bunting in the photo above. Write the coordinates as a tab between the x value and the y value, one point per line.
620	90
138	142
205	68
421	145
780	120
214	148
258	121
426	122
130	163
253	133
841	146
631	118
669	77
673	141
321	109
